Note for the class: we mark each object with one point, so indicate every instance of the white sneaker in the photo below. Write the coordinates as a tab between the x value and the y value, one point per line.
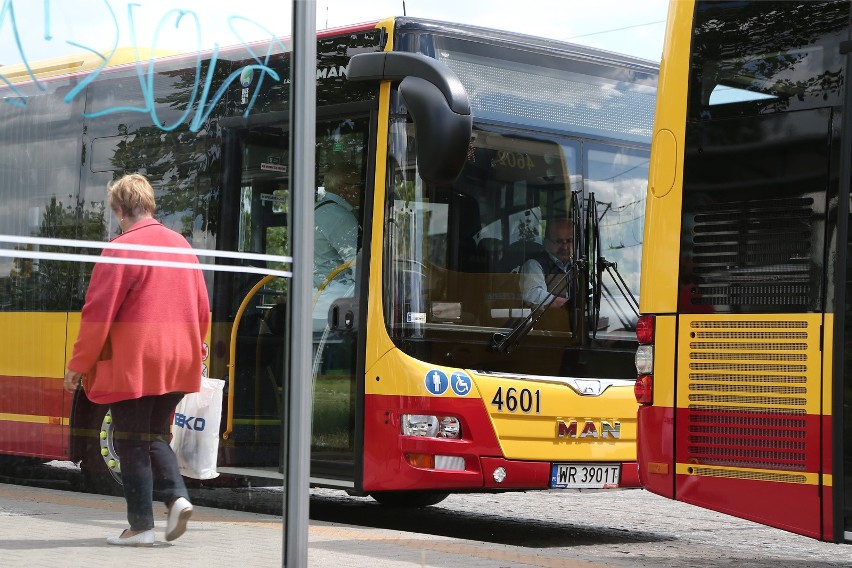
145	538
179	514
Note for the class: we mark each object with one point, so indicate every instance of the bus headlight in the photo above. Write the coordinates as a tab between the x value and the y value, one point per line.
645	359
431	426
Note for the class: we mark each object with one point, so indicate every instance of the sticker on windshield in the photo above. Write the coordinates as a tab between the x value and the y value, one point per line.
415	317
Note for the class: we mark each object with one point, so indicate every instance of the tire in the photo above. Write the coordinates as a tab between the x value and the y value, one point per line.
100	466
409	499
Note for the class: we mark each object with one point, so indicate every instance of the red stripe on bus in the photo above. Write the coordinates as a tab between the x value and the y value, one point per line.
40	396
789	506
827	500
33	439
656	458
757	440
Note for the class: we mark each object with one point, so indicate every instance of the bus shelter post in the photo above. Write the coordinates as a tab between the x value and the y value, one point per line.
298	392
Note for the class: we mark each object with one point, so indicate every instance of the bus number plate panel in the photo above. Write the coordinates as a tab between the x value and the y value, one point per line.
584	475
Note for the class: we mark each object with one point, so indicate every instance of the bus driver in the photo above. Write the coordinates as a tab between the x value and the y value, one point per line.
544	276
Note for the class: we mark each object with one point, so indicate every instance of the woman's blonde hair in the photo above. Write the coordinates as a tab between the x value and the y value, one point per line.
132	195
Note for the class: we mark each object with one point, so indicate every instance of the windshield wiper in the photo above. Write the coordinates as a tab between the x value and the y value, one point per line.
503	342
612	269
603	265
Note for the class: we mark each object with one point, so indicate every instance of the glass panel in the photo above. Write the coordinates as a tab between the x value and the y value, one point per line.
339	211
543	91
748	59
618	178
39	180
455	255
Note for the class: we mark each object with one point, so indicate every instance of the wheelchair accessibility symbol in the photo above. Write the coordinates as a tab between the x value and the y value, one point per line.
460	383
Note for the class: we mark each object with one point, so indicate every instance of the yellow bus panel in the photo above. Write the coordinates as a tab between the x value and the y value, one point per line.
34	344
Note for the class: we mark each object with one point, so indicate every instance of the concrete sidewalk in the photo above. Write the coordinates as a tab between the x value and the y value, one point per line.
52	529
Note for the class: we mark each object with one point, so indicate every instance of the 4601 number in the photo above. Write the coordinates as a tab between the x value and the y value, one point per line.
525	400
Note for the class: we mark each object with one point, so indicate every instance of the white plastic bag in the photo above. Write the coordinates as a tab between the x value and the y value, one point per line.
195	431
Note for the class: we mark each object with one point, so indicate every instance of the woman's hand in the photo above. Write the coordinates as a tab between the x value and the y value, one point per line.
72	380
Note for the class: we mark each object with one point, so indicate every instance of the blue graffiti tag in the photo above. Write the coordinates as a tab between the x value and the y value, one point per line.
203	105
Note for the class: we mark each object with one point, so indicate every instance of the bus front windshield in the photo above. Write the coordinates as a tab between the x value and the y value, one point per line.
458	257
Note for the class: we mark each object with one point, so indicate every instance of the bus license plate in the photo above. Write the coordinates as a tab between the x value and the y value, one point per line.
584	475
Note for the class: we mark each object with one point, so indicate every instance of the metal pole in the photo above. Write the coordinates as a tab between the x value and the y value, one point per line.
302	183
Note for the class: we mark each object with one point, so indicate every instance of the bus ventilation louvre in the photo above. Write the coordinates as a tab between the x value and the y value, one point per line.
750	254
747	394
750	375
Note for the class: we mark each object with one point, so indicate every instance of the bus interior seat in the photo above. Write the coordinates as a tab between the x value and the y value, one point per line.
517	253
464	221
465	264
503	297
490	251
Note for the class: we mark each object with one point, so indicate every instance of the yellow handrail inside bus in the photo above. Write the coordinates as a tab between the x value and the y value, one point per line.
232	355
331	276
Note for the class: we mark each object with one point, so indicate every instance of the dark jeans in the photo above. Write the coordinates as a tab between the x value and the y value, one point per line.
149	468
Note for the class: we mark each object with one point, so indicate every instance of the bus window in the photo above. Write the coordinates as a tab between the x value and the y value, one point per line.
617	176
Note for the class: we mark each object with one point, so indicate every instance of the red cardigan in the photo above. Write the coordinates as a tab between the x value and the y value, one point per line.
142	328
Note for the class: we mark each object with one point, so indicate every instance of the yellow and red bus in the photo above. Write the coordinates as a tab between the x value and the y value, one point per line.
743	375
431	375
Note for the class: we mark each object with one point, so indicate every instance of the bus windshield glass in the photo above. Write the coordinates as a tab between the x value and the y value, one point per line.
458	257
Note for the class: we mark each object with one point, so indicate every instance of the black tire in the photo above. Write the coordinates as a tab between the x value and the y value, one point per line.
18	469
409	499
100	466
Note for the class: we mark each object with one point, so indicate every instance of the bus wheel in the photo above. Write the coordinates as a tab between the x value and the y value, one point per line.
412	499
100	466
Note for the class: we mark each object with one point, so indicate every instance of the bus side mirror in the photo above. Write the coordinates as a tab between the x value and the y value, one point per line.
437	102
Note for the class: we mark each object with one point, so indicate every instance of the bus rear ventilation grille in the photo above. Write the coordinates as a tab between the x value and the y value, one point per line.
746	409
754	475
747	394
730	432
747	457
743	417
780	335
740	399
743	346
751	253
752	389
729	355
750	379
748	367
772	324
737	444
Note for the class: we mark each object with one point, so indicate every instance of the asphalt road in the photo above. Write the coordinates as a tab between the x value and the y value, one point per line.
616	528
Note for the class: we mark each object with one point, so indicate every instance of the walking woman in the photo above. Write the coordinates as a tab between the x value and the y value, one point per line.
139	350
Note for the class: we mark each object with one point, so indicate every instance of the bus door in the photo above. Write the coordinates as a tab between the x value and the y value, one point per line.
253	220
341	215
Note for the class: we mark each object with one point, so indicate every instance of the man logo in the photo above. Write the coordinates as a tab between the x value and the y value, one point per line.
590	429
